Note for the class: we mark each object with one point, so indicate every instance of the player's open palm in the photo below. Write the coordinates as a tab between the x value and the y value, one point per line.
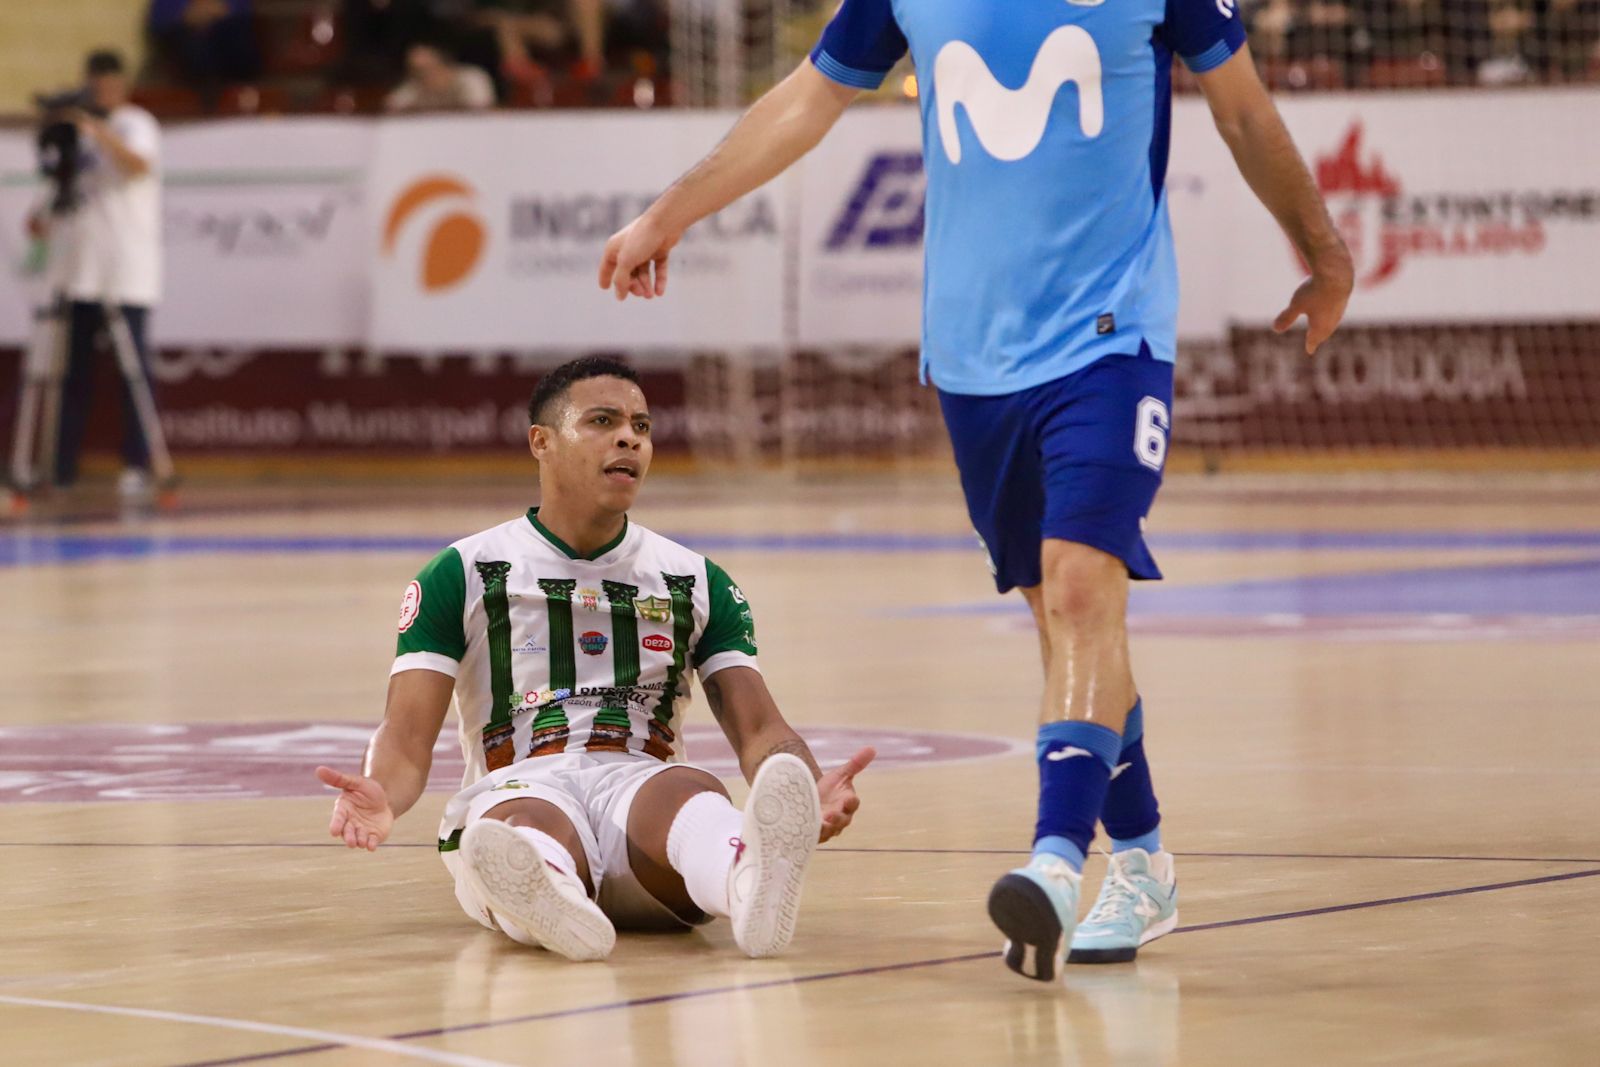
361	814
837	791
631	253
1321	298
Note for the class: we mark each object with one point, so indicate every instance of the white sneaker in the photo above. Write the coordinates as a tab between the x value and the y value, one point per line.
523	889
134	485
782	820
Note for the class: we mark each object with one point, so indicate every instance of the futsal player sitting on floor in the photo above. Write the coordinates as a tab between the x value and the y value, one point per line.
567	637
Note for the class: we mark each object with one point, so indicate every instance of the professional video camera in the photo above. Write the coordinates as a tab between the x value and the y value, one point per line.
60	147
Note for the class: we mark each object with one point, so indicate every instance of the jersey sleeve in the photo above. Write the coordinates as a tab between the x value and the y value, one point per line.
1206	33
729	639
432	634
860	45
140	132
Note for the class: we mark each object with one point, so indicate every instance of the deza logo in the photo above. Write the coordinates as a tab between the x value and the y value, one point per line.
1010	123
1385	225
455	238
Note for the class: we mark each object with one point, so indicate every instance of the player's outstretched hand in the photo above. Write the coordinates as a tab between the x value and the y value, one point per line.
837	791
1321	298
630	254
361	815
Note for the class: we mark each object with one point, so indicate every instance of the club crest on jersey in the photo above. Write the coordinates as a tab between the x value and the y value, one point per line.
657	643
593	643
654	609
589	599
410	606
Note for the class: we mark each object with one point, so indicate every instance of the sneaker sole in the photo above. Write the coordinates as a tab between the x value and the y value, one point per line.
1124	954
782	819
1024	913
512	878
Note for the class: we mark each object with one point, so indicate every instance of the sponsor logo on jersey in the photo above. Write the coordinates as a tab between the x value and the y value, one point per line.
1010	123
536	698
657	643
588	598
885	209
654	609
531	645
410	606
593	643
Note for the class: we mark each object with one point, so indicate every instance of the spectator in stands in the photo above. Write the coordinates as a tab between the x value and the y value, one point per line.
436	82
209	43
1510	44
378	34
524	29
1399	42
1567	34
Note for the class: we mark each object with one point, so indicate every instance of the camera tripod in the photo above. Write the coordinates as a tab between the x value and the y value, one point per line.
37	433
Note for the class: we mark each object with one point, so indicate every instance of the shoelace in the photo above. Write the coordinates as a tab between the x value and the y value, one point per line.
1118	891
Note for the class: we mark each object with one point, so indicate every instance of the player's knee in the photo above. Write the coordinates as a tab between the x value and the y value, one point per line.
1082	585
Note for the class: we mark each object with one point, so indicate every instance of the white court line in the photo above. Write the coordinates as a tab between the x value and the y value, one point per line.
376	1044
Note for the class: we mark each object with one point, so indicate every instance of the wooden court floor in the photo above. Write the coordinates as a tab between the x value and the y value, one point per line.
1372	714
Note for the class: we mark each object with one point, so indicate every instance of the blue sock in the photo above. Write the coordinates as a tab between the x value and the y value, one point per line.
1131	816
1075	761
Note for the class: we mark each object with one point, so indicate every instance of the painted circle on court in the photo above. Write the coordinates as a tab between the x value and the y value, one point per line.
223	761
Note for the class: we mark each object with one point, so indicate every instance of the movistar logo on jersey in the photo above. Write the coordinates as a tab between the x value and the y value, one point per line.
1010	123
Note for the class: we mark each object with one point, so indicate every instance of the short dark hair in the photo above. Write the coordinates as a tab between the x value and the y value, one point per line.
103	61
554	385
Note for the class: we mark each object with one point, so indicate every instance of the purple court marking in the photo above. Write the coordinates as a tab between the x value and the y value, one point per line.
32	547
227	761
859	972
1552	599
840	848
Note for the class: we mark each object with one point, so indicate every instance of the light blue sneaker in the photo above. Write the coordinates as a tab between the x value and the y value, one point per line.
1036	907
1138	903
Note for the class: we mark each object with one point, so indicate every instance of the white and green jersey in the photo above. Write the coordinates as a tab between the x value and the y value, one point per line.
556	652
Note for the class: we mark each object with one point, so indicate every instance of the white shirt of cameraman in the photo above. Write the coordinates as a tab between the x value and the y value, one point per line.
110	247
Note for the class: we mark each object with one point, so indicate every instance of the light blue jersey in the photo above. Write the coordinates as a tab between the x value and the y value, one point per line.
1045	129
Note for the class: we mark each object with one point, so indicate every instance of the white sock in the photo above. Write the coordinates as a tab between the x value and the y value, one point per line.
553	851
702	845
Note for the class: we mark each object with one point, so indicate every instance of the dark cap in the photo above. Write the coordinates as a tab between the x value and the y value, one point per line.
103	61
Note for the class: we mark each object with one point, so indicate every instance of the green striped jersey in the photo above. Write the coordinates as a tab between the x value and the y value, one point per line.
556	652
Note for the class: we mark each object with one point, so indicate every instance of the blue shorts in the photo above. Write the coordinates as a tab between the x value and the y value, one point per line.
1078	459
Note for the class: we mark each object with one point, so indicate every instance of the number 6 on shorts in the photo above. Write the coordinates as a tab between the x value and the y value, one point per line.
1150	433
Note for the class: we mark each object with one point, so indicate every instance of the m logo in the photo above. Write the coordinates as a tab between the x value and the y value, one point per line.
453	245
885	208
1010	123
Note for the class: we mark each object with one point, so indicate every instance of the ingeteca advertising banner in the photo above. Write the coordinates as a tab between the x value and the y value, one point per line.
485	232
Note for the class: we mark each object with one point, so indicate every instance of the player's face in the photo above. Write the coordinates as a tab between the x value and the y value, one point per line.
600	447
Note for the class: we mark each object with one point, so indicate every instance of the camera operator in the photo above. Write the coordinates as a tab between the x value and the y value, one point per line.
105	236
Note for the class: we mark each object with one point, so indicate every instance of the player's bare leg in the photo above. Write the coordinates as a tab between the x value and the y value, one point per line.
1080	610
526	861
694	851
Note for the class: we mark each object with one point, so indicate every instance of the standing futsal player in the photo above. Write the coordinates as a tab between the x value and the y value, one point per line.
567	637
1049	325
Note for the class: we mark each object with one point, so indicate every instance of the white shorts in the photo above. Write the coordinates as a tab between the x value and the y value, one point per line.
595	791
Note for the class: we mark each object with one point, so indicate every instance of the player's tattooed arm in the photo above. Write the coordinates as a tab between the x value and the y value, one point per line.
744	708
794	746
748	715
